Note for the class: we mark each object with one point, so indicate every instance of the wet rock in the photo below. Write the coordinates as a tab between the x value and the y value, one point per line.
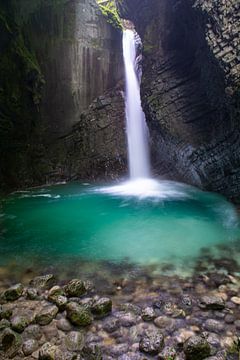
74	341
14	292
29	346
64	325
229	319
50	331
4	323
235	300
19	323
61	302
54	292
131	308
211	303
102	307
148	314
5	313
91	352
196	348
111	324
10	343
49	352
127	319
46	315
78	315
151	343
164	322
168	353
43	282
237	324
75	288
32	332
213	325
32	294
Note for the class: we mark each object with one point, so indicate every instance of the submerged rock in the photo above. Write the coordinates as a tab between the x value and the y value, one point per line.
148	314
46	315
211	303
196	348
19	323
151	343
29	346
102	307
78	314
5	313
10	343
74	341
168	353
75	288
43	282
49	352
14	292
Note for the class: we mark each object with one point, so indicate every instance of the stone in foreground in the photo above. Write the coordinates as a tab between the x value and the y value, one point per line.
196	348
75	288
14	292
10	343
102	307
74	341
78	314
43	282
46	315
151	343
212	303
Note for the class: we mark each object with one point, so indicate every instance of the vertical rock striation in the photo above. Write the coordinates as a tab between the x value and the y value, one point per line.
56	58
190	88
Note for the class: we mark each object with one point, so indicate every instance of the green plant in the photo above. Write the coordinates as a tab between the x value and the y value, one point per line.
108	9
235	347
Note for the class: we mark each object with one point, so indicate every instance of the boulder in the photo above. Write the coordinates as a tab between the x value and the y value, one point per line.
151	343
196	348
14	292
75	288
78	314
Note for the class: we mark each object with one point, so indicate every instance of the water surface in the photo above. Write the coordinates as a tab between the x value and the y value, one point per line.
140	223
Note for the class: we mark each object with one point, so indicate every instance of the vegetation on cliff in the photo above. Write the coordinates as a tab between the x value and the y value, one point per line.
109	9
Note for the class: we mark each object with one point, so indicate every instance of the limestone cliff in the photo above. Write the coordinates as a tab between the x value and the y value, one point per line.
56	58
190	88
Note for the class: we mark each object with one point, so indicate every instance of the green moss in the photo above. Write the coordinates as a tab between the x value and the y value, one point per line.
108	9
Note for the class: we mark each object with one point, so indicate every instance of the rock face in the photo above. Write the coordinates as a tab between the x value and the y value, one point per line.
96	146
56	58
190	88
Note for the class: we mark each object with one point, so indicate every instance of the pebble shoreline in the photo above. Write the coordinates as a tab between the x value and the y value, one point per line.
163	318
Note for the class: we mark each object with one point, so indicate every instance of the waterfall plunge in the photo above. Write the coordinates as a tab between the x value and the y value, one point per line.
137	132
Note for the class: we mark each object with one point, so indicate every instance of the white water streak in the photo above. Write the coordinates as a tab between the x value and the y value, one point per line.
137	132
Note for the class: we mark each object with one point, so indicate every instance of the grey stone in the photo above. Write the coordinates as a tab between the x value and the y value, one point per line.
78	315
148	314
46	314
64	325
212	303
43	282
29	346
14	292
151	343
10	342
213	325
75	288
196	348
19	323
74	341
102	307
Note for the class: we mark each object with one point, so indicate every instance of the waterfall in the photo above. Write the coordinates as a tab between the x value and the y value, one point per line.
137	132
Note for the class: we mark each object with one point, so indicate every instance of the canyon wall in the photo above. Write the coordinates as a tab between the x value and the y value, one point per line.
56	57
191	88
